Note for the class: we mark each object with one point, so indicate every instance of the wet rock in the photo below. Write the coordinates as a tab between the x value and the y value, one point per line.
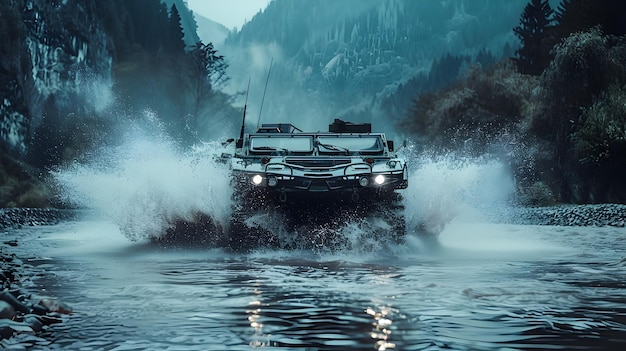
14	326
7	297
56	306
18	314
11	242
6	310
33	322
39	310
5	331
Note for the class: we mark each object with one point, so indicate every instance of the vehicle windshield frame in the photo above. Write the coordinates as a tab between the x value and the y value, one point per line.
351	143
288	143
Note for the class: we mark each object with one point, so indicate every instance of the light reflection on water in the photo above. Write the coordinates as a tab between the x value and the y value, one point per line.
488	287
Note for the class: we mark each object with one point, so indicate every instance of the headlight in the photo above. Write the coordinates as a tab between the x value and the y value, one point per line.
380	179
272	181
257	180
392	164
363	181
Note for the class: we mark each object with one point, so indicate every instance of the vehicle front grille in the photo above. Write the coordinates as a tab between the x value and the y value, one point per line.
317	162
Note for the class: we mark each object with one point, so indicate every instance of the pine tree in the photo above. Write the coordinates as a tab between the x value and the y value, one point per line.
532	57
206	71
580	15
175	34
560	11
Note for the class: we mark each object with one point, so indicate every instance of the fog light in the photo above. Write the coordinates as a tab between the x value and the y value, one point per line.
363	181
272	181
380	179
257	180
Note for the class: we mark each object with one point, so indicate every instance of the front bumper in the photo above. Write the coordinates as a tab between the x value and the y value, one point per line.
292	183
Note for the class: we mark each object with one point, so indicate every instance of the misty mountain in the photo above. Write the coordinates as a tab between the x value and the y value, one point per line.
366	60
210	31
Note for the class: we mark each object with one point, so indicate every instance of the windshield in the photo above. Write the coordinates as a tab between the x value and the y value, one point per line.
355	144
282	143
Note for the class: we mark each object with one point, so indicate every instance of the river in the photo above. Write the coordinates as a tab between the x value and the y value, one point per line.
485	286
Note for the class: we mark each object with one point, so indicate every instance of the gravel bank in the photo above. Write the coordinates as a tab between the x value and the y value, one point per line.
566	215
20	311
18	217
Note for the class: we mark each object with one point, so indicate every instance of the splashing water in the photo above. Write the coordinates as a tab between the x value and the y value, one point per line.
146	184
440	190
443	188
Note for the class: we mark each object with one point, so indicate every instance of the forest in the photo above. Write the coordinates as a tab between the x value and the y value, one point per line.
545	95
75	74
557	105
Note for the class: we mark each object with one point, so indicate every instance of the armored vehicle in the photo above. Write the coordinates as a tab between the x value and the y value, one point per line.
319	178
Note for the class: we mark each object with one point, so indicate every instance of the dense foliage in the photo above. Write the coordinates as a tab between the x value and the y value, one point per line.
563	123
155	71
541	27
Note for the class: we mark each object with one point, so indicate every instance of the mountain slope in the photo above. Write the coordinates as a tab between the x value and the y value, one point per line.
210	31
345	58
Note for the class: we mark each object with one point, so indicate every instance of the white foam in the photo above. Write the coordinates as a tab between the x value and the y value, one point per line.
444	188
146	183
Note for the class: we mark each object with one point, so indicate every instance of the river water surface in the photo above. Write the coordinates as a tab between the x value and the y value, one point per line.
485	287
482	286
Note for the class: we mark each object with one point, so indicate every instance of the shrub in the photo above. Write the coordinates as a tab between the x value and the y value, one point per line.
478	107
600	140
577	74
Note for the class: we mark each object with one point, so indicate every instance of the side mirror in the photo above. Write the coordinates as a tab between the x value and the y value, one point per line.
239	143
390	145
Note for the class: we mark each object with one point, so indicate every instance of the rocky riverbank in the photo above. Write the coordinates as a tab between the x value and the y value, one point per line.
599	215
20	311
18	217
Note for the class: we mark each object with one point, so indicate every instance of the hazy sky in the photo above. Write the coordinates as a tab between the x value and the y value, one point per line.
230	13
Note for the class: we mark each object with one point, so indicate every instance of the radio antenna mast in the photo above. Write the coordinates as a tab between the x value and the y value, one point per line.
245	106
264	90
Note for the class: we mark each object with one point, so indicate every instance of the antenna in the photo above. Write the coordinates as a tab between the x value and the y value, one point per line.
264	90
245	106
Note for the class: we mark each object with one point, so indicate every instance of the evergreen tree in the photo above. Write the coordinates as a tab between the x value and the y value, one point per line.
207	70
148	19
532	57
580	15
175	34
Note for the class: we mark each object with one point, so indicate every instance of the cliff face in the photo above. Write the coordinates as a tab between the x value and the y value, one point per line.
51	48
